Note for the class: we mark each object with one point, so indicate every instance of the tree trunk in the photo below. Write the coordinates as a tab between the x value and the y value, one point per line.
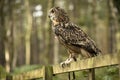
20	39
49	35
99	27
2	34
113	25
117	5
34	43
28	26
56	51
10	37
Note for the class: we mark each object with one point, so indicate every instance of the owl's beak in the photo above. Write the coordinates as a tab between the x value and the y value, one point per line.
49	16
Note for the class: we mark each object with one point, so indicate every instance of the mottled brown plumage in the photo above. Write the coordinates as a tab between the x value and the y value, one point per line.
71	36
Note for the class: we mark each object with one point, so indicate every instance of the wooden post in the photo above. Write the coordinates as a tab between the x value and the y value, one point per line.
48	73
73	76
9	77
91	74
119	71
69	78
119	65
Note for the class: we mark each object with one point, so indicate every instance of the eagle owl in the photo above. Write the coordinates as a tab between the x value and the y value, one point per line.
71	36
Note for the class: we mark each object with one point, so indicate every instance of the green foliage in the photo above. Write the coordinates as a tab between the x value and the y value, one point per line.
3	72
25	68
107	73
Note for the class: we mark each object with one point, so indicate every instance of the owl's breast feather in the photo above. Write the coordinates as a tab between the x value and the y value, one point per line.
56	30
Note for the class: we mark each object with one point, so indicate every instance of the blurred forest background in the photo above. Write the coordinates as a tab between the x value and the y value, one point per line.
26	37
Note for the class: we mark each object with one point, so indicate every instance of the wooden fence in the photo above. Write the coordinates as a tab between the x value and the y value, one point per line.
47	72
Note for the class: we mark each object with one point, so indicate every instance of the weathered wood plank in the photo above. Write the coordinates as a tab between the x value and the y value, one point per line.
38	73
94	62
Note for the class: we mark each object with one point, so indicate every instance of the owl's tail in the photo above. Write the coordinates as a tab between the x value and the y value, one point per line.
93	50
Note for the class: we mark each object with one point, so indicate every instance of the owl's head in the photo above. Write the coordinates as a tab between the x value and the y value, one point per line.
58	15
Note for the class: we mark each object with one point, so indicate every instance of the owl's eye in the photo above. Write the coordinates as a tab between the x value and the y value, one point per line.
52	11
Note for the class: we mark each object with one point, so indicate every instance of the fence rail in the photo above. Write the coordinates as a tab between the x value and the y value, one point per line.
48	71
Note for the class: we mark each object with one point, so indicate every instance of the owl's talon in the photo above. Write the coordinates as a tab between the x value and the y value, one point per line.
64	64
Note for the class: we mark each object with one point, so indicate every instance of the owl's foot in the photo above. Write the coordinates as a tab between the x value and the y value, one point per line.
67	62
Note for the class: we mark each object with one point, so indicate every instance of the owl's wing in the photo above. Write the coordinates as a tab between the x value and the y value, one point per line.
75	36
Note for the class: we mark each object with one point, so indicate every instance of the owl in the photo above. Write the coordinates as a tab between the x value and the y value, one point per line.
71	36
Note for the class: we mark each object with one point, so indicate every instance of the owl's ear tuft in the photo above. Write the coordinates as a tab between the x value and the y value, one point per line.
57	7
